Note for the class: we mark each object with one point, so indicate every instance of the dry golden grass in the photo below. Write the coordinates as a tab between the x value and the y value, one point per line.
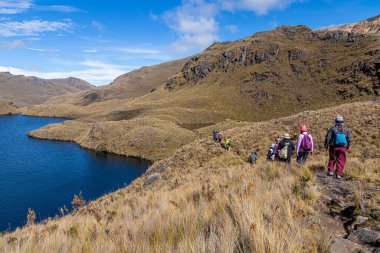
213	201
148	138
229	208
8	108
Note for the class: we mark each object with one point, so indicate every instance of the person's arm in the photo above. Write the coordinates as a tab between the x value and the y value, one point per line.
300	137
348	135
312	143
328	138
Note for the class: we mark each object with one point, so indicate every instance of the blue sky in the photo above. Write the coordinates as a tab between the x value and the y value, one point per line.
100	40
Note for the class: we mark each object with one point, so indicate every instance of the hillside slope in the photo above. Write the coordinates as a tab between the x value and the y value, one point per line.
270	73
23	90
203	199
8	108
265	76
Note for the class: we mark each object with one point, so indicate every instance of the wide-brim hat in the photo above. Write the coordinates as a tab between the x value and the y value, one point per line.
286	136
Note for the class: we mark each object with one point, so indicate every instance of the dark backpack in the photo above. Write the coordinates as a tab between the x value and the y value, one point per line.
306	143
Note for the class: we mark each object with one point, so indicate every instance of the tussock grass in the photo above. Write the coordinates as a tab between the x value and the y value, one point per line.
225	209
213	201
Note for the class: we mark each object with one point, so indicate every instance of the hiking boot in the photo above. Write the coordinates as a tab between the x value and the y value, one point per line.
331	173
338	177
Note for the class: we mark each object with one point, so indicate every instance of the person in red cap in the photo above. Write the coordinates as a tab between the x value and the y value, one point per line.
305	145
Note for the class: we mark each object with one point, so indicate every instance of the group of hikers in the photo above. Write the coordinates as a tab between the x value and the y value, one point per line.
219	137
337	143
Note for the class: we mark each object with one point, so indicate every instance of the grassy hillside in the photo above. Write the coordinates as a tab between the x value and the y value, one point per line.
204	199
24	90
8	108
268	75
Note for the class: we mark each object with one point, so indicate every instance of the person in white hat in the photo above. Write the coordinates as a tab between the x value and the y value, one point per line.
286	148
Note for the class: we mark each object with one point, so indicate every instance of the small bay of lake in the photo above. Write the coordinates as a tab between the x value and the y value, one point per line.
44	175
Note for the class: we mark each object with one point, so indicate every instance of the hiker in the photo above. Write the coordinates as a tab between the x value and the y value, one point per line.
276	150
228	144
271	156
215	135
286	148
305	145
219	137
337	142
252	158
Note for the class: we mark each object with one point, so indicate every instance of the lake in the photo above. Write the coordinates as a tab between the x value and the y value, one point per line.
45	175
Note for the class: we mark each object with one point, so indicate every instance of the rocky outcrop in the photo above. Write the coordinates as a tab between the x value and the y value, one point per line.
365	236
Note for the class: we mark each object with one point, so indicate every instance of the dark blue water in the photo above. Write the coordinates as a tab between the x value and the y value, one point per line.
45	175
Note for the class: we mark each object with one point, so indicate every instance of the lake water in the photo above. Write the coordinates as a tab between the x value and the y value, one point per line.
45	175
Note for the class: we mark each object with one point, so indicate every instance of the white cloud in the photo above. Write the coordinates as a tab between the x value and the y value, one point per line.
194	22
59	8
98	73
90	51
232	28
14	6
33	27
9	45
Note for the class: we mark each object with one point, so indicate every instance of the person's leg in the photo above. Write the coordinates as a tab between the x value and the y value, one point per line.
299	158
331	165
305	156
340	160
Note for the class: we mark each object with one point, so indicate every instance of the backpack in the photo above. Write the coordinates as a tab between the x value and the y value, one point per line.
306	143
228	142
271	154
340	138
284	151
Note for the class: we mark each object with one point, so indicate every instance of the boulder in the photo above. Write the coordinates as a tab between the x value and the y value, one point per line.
296	54
341	245
365	236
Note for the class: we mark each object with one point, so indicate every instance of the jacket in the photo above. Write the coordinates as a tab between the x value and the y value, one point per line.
330	136
300	138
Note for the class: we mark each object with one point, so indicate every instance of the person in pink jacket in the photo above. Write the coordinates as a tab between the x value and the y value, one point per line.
305	145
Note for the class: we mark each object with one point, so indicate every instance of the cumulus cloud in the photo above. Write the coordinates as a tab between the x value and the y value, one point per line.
97	73
9	45
14	6
194	22
33	27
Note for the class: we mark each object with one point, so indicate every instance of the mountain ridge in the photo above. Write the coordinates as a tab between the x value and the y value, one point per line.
31	90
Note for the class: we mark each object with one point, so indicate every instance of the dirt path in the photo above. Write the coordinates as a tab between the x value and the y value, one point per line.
337	214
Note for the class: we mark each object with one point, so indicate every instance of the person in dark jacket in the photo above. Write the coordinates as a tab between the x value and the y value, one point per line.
252	159
338	141
286	147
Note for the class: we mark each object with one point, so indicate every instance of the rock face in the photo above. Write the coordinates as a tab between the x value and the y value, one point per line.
152	178
299	54
365	236
23	90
